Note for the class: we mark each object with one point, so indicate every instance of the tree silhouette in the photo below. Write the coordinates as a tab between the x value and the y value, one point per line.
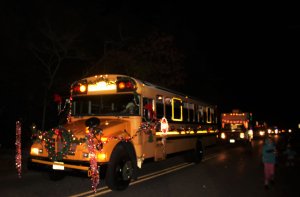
52	51
154	58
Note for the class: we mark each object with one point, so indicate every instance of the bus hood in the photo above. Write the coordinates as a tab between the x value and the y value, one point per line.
109	126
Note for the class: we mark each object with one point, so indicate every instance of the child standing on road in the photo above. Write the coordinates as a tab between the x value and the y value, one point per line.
269	160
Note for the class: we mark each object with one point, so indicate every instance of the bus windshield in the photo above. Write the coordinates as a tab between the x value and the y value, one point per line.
106	105
234	126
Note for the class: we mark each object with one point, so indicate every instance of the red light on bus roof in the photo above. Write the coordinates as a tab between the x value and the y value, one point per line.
121	85
129	85
126	85
82	88
79	88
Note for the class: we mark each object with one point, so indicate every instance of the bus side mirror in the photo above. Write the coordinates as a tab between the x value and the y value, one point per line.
94	123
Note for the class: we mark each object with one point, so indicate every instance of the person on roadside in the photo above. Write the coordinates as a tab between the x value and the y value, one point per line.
269	161
290	155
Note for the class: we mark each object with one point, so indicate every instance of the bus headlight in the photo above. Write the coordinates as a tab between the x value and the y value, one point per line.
36	151
101	156
223	136
242	135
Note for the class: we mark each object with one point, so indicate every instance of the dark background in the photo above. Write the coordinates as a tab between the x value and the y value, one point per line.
237	56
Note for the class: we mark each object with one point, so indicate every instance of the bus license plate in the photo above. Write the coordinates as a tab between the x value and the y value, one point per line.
232	141
56	166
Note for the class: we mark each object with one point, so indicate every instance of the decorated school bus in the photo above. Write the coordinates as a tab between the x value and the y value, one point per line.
236	126
115	122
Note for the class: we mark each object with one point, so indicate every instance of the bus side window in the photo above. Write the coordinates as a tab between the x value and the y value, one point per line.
148	109
159	106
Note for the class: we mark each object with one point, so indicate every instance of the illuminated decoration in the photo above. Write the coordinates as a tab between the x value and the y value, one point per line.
176	101
159	97
47	138
93	160
202	131
164	126
102	86
147	127
66	138
63	136
18	149
69	116
188	132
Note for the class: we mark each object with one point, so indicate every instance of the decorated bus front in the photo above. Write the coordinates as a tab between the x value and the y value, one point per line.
102	124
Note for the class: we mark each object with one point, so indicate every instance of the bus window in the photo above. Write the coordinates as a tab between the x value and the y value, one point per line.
159	107
168	106
191	113
208	115
105	105
205	115
177	109
185	112
148	112
196	113
201	114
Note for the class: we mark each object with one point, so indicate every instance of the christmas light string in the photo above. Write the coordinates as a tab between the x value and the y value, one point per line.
93	160
46	138
18	149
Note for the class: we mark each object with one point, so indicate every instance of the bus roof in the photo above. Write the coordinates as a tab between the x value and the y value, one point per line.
142	83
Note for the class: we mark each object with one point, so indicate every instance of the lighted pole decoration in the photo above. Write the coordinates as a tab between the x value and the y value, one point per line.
164	127
93	160
18	149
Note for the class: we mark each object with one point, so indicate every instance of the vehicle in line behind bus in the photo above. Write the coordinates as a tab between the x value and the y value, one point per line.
236	127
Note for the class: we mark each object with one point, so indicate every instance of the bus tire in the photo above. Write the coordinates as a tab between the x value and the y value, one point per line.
198	152
119	170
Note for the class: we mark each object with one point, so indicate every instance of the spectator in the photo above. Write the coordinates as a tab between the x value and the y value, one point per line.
290	155
269	160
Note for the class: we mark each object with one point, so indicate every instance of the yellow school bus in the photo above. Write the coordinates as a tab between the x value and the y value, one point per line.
129	120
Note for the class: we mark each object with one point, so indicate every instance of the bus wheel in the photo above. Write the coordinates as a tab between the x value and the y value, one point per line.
119	170
198	152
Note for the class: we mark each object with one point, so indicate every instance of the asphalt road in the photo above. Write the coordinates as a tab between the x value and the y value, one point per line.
231	171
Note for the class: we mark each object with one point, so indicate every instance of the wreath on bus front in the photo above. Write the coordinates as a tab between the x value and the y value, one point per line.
62	134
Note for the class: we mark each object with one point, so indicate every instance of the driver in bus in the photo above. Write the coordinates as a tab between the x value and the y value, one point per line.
131	107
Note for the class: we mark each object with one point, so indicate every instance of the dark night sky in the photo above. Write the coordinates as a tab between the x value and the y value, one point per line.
236	57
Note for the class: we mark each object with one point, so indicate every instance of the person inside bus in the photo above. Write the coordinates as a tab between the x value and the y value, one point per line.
132	107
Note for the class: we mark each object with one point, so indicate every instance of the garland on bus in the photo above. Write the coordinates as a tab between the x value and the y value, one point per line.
64	136
46	137
67	138
93	160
